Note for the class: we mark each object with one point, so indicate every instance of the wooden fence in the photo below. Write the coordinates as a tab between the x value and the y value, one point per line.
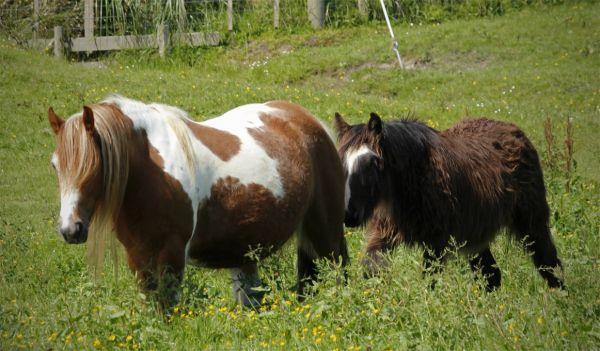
90	43
161	39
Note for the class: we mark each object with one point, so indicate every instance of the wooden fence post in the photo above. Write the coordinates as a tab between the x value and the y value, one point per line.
36	18
88	18
163	39
230	15
59	43
276	14
316	13
363	8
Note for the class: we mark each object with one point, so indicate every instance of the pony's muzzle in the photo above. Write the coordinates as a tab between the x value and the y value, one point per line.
351	219
75	233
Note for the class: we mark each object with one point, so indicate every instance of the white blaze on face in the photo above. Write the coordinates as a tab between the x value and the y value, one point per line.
68	201
68	204
352	158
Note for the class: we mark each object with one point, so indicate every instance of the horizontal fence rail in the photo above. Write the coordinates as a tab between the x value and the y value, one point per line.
121	42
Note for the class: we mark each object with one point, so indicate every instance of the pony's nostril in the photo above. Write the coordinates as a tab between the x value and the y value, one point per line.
78	227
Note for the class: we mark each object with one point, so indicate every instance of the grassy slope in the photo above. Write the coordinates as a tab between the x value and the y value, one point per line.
521	67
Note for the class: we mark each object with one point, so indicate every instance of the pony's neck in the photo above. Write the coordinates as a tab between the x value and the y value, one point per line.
407	144
178	156
408	148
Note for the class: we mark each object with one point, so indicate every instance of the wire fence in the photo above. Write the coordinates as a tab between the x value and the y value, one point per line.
122	17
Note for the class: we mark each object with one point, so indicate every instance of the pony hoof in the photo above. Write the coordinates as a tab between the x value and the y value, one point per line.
252	299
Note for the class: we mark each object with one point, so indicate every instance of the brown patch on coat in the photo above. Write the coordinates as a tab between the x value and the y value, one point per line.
220	143
155	156
238	218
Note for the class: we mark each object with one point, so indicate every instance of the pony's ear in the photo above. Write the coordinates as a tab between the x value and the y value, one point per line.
340	125
375	124
88	120
55	122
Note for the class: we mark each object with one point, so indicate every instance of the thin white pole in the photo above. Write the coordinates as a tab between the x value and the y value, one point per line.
394	42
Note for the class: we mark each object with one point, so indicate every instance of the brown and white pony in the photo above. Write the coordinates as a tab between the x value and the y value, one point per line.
415	185
175	191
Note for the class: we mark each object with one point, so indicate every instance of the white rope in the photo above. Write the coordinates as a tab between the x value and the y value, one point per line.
394	42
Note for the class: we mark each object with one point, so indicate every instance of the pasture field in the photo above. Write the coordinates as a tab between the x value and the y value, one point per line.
541	62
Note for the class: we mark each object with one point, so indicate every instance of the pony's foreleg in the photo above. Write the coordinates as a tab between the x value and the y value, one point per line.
382	236
170	267
160	275
374	261
485	262
244	281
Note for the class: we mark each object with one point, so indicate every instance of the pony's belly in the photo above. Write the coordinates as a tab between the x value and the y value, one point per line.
232	252
234	239
241	221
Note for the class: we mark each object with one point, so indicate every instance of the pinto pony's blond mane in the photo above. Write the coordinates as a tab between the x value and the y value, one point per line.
113	133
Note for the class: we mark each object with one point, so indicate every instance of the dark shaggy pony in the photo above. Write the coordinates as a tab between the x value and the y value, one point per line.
415	185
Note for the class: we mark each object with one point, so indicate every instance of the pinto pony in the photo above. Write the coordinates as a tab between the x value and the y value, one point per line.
175	191
415	185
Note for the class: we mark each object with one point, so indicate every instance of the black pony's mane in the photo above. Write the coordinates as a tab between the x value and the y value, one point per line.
407	141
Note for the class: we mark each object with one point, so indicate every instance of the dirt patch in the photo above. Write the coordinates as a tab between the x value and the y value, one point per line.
464	61
345	72
418	63
93	64
258	54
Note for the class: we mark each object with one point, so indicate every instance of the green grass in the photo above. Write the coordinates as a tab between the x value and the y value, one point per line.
523	67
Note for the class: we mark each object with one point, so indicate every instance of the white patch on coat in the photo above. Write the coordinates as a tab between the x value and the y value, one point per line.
352	157
68	203
250	165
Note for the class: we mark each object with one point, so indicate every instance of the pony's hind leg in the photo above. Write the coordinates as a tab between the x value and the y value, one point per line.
306	265
244	284
531	225
485	263
313	245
